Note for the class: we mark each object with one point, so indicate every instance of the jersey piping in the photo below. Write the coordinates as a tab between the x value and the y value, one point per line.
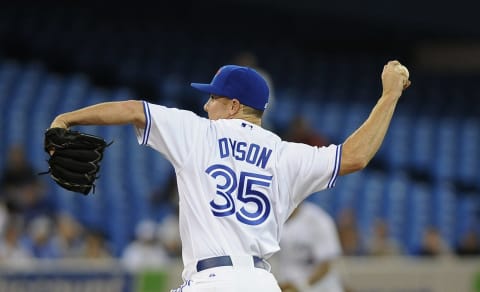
148	123
338	159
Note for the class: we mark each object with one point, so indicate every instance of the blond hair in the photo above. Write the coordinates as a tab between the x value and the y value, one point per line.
250	111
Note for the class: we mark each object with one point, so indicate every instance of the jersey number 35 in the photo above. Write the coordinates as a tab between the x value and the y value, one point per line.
248	189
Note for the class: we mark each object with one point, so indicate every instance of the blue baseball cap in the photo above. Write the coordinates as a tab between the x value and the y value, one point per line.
242	83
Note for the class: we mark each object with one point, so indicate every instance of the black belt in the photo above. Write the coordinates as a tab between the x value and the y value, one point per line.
223	261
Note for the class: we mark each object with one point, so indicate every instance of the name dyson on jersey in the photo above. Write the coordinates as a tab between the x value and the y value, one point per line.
243	151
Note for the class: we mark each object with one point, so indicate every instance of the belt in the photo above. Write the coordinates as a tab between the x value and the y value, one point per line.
222	261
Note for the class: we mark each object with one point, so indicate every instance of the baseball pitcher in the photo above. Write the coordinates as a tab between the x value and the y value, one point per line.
237	182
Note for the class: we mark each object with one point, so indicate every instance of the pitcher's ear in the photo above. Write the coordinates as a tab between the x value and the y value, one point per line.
236	105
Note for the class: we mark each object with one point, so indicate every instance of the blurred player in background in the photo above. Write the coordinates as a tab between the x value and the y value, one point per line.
237	182
309	248
145	252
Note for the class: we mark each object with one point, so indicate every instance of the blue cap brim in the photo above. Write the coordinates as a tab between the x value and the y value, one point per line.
207	88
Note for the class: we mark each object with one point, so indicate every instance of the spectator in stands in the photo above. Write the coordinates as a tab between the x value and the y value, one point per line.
4	217
18	171
39	241
145	252
432	244
348	233
11	250
18	177
68	237
381	242
309	251
469	244
300	131
94	246
22	192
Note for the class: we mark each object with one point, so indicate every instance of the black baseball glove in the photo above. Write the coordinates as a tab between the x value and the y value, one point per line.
74	158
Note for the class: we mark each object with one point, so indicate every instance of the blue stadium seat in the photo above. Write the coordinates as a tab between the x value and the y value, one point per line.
468	152
444	203
418	215
286	104
395	209
369	202
398	142
445	163
324	199
331	122
354	115
346	191
423	145
466	213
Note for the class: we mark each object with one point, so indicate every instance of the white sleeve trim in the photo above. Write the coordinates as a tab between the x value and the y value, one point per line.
148	123
338	159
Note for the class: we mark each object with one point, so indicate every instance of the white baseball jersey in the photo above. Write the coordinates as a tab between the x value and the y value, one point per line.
237	182
309	239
